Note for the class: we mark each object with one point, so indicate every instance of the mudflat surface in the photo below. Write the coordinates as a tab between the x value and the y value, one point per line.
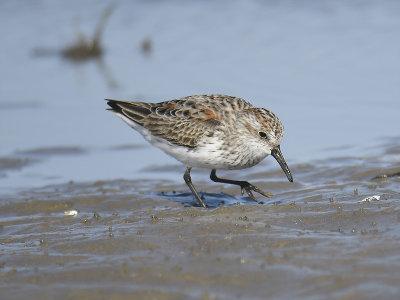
148	240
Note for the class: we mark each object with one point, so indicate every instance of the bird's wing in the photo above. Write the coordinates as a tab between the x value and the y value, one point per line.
182	121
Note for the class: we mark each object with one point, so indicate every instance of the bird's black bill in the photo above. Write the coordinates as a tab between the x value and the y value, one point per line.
277	154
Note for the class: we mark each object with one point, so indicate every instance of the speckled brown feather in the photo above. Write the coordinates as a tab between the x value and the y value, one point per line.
182	121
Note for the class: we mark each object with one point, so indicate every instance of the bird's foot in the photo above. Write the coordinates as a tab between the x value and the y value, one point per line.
248	188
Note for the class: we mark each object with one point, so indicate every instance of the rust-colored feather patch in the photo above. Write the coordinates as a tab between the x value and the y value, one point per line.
262	119
205	114
210	114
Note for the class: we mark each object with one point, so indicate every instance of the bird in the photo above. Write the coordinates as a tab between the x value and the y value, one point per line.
213	131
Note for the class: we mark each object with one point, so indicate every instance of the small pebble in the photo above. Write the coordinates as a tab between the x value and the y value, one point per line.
72	212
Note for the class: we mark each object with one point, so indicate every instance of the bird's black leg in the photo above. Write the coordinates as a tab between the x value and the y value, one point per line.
188	181
244	185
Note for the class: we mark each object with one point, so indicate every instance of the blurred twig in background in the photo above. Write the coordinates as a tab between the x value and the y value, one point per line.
84	48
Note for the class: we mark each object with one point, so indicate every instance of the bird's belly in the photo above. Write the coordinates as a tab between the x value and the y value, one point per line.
222	160
213	156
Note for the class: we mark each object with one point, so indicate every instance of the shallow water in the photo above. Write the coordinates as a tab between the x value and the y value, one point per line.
329	70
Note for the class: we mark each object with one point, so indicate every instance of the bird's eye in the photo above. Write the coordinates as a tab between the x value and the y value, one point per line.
262	134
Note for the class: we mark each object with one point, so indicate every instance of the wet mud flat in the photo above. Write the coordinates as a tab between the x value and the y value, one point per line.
334	233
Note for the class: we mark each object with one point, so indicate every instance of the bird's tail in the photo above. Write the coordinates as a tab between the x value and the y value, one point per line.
135	111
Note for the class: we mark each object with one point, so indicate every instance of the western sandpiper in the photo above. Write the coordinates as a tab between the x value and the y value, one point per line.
208	131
